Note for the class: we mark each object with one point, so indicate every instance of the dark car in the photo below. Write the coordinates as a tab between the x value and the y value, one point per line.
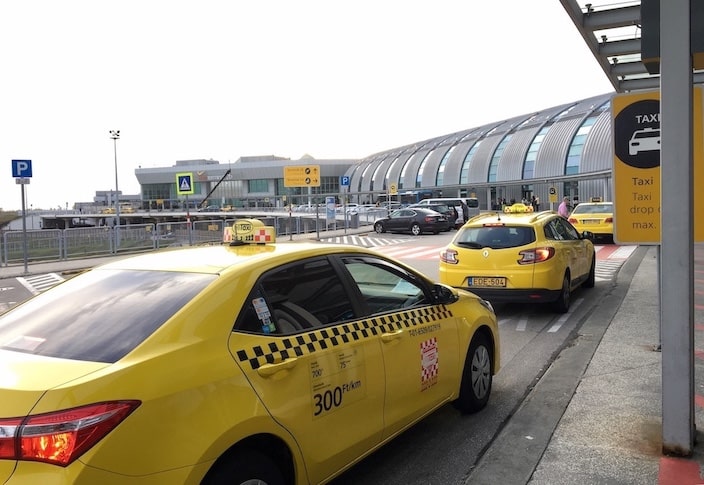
443	209
415	220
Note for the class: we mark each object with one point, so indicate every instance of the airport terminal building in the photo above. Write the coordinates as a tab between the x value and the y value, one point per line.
565	150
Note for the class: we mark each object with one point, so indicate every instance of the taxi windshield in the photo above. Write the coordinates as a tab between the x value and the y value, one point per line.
98	316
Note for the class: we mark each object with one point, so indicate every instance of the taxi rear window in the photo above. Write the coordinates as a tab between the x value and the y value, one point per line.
495	236
98	316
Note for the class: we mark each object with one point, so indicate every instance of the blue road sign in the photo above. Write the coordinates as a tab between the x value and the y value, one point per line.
21	168
345	181
184	183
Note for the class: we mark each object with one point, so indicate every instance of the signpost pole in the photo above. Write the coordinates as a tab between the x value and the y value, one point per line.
24	230
22	171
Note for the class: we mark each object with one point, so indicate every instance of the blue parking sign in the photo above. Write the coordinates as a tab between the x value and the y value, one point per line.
21	168
345	181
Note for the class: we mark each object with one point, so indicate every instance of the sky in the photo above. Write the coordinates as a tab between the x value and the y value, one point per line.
222	79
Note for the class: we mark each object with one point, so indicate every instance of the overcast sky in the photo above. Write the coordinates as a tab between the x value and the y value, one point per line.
223	79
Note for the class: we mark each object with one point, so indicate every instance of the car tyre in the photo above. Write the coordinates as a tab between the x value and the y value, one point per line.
245	467
591	279
416	230
379	228
562	304
475	387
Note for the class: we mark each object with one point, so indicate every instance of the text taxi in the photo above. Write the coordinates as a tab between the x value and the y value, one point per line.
248	361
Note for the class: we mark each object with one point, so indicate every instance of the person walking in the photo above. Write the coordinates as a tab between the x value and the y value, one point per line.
564	207
465	211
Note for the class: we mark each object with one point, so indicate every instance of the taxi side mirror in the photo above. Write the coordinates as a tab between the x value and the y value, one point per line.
588	235
444	294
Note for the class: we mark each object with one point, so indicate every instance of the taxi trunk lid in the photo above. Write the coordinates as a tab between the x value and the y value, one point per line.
24	378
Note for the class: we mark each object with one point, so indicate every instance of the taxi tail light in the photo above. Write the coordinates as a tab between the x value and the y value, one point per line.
538	255
609	219
572	220
60	437
449	256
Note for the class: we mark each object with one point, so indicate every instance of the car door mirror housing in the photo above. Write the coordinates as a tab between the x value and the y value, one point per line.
444	294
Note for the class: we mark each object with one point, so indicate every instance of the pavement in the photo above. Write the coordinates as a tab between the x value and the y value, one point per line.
595	416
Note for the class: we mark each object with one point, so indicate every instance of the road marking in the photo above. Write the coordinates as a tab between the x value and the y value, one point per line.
560	321
37	284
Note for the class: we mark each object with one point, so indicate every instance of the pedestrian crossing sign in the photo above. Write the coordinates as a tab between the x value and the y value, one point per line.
184	184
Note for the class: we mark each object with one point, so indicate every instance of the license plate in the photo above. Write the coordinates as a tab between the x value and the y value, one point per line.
487	281
590	221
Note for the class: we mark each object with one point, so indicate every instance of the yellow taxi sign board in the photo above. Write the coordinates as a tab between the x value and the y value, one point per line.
518	208
552	194
393	189
249	231
302	176
637	170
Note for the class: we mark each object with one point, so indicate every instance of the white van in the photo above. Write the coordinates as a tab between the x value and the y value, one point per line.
472	203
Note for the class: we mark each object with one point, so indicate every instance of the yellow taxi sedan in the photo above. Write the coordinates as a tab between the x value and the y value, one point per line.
248	362
520	256
595	217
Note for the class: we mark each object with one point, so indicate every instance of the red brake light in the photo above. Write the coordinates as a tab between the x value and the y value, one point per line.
449	256
572	220
532	256
609	219
61	437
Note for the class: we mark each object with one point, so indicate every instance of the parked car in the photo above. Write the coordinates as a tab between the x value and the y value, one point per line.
520	255
414	220
444	209
210	208
248	362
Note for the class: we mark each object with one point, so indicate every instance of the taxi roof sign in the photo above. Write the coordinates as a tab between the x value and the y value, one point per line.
518	208
249	231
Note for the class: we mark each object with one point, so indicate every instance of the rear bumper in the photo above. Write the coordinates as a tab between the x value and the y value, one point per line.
533	295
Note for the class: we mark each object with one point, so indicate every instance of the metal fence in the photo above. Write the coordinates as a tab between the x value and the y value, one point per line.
84	242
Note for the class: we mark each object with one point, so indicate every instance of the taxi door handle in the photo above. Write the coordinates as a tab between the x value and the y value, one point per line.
270	369
391	336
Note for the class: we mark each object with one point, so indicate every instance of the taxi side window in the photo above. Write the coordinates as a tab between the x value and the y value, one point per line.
560	230
385	287
565	229
295	298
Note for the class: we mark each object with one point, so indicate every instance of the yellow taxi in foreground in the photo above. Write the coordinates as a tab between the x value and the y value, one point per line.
250	362
595	217
520	256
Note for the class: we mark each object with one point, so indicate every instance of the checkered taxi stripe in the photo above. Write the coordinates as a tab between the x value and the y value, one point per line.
281	348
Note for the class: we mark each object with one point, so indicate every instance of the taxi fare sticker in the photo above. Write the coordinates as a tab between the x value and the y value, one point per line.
429	363
337	380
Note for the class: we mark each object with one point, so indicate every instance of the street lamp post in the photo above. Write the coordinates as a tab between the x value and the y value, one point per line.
115	135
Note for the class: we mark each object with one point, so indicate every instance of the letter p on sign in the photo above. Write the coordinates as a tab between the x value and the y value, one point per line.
21	168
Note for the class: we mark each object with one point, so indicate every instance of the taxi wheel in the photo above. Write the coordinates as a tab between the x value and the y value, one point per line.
245	468
415	230
591	279
475	387
379	228
562	304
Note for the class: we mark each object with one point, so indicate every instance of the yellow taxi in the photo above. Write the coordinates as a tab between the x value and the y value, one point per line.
247	362
595	217
520	256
